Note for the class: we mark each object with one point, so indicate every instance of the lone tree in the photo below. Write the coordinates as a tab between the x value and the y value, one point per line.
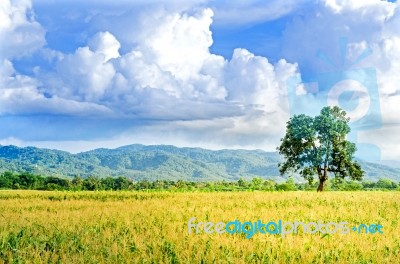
318	146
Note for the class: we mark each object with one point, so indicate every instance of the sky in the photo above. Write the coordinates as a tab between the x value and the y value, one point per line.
77	75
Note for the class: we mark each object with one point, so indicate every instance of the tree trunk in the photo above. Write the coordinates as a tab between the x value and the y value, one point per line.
322	179
321	185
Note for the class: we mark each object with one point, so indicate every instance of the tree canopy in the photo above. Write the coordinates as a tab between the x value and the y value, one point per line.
317	146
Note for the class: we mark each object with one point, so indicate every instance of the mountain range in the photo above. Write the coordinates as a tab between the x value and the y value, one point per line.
161	162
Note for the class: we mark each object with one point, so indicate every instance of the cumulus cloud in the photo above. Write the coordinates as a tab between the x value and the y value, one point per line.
19	94
20	33
164	80
150	73
316	42
85	75
105	43
180	43
170	74
253	80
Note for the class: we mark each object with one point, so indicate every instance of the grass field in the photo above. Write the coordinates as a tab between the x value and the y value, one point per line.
138	227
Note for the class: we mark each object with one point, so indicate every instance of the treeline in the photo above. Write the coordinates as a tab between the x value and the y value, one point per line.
28	181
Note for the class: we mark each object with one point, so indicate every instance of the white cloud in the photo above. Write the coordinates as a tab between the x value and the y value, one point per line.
170	74
154	65
20	34
180	43
146	75
19	94
85	74
241	12
252	79
168	79
28	101
366	24
9	79
105	43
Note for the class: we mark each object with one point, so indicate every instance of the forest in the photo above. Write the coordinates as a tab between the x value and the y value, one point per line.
29	181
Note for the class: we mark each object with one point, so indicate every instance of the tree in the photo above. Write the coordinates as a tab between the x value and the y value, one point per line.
27	180
55	183
289	185
242	183
386	184
122	183
256	183
92	183
318	146
108	183
77	183
7	180
269	185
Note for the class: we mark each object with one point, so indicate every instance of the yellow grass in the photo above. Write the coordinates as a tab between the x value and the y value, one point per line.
136	227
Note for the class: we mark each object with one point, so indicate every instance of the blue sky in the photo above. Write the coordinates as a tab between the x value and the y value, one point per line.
213	74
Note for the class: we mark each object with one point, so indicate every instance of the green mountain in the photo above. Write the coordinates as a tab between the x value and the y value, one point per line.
159	162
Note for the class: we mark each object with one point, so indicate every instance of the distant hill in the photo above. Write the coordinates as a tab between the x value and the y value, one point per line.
159	162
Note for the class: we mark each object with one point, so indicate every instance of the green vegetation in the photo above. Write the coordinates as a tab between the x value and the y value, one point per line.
139	162
317	146
28	181
151	163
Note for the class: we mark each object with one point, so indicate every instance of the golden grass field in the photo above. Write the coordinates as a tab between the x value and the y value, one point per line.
139	227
